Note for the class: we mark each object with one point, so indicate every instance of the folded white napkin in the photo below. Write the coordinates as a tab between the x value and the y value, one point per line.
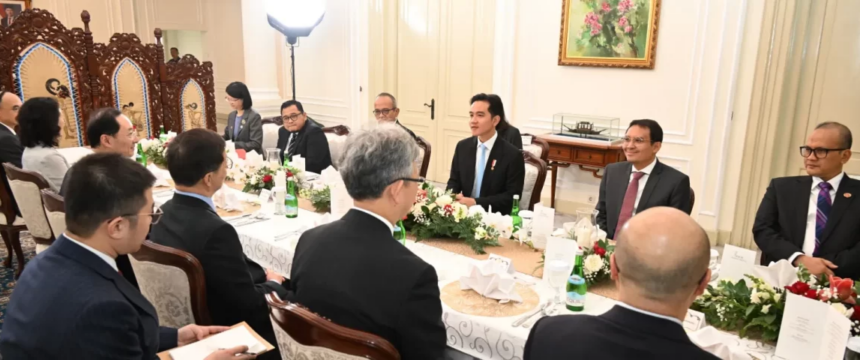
330	176
718	343
253	160
228	199
298	162
490	280
779	274
161	176
230	147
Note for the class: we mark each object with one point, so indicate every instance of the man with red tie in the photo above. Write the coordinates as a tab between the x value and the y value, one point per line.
641	182
812	220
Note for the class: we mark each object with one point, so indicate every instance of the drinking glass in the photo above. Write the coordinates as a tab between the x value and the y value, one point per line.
558	272
273	155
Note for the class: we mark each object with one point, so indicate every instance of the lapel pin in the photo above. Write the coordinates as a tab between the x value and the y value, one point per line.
493	167
847	195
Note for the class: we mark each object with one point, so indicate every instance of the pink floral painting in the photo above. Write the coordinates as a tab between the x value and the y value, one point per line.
619	33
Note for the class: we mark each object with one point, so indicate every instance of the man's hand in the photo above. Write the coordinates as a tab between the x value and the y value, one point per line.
236	353
465	200
816	266
191	333
271	275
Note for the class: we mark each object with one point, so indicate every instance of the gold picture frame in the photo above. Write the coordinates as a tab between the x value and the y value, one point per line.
609	33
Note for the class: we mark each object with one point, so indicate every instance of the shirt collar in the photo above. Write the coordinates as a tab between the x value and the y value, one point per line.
10	129
371	213
489	143
664	317
648	169
834	182
207	200
109	260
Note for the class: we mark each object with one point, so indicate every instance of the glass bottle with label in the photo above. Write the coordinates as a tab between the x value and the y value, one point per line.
141	156
576	287
515	213
291	201
162	134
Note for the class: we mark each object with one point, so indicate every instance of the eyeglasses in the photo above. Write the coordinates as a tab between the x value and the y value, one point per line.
419	180
637	141
155	215
383	112
291	118
820	153
229	99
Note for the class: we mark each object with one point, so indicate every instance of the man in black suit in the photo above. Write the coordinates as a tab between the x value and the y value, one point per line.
660	267
812	220
641	182
386	111
486	171
302	137
235	285
71	302
354	272
9	18
10	146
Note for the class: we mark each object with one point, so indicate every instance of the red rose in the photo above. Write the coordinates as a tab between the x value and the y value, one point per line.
842	288
267	178
856	315
812	294
599	250
798	288
289	173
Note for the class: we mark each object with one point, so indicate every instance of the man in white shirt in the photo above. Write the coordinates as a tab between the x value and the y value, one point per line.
641	182
660	267
813	220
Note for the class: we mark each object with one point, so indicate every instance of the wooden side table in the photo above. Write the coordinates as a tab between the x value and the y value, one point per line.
591	157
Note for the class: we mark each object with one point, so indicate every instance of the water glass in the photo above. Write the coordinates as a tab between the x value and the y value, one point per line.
273	155
557	273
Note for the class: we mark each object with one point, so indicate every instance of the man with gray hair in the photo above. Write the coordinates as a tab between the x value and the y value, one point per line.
353	271
660	267
385	111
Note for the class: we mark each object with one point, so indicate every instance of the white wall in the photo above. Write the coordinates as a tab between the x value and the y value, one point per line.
106	16
187	41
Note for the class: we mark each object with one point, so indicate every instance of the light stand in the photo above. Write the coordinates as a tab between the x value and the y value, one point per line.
294	19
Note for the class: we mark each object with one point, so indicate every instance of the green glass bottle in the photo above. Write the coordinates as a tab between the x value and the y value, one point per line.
291	201
400	232
576	286
141	155
515	213
162	134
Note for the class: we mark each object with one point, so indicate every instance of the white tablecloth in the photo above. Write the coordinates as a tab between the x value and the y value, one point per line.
74	154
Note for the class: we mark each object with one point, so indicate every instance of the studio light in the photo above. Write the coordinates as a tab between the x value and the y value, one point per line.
294	19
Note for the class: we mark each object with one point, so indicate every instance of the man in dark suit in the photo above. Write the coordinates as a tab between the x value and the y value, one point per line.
235	285
302	137
486	171
812	220
660	267
10	146
354	272
641	182
71	302
9	18
386	111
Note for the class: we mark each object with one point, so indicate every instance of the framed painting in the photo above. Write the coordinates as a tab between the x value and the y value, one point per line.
610	33
10	9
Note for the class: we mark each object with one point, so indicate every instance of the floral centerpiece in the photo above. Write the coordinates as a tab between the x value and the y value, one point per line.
595	258
319	196
155	151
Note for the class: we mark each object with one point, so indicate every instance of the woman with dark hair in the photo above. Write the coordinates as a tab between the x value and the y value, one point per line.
244	125
506	131
40	122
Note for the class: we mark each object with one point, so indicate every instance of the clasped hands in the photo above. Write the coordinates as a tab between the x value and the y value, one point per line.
816	266
465	200
192	333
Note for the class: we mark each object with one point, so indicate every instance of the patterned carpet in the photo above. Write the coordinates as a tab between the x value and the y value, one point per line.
7	275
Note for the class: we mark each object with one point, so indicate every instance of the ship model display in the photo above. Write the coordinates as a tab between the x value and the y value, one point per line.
587	127
583	128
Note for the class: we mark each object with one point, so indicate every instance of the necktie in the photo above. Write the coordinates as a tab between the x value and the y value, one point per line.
824	205
629	200
291	144
480	166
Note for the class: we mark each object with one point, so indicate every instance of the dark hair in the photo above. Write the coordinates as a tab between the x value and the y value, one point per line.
193	154
101	187
496	108
289	103
174	48
240	91
393	100
844	132
103	122
39	122
653	127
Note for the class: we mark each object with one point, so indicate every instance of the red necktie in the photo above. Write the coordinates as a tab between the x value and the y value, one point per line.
629	200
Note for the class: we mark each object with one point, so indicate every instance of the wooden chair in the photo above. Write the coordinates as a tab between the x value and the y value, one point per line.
302	334
273	120
11	226
538	147
55	210
173	281
426	149
336	136
26	187
534	179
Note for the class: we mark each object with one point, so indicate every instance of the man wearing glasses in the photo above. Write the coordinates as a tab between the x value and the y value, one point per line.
386	111
300	136
813	220
641	182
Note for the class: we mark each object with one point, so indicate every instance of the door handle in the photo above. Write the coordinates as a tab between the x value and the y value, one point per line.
432	107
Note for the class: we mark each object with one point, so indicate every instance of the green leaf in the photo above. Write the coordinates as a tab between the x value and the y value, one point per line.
750	309
769	318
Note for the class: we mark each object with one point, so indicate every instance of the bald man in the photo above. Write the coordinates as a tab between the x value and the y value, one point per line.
660	267
10	146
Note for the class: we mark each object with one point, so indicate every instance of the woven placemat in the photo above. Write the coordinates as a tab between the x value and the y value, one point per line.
470	302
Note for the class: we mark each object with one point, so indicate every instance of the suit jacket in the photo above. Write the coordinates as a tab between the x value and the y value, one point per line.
780	223
512	136
5	22
250	131
48	162
70	304
235	285
620	333
500	183
665	187
353	272
11	152
311	144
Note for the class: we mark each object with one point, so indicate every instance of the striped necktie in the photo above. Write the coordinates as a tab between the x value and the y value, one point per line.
824	205
291	144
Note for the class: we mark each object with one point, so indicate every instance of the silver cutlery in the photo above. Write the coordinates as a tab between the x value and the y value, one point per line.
238	218
523	319
545	312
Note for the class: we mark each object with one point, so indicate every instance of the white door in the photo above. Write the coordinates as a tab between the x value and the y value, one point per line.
444	57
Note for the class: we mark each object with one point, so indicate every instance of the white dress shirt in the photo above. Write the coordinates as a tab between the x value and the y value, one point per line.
489	144
664	317
10	129
812	212
642	181
371	213
109	260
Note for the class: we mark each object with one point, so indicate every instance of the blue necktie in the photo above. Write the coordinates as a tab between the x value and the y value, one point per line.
479	171
824	205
